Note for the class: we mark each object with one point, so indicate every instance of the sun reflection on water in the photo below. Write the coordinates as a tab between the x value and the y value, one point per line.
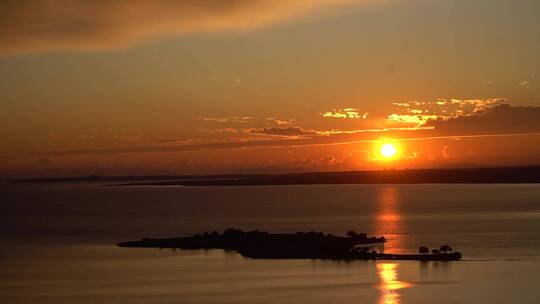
389	283
389	221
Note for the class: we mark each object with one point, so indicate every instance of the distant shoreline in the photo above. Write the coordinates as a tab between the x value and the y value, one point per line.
502	175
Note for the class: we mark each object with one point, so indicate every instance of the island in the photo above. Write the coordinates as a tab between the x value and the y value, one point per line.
300	245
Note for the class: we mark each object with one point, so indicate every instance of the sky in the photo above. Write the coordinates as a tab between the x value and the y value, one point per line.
266	86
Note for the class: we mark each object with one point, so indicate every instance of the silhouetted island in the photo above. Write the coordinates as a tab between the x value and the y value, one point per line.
301	245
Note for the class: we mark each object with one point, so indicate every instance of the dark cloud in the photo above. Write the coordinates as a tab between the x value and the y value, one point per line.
330	160
49	25
289	131
501	119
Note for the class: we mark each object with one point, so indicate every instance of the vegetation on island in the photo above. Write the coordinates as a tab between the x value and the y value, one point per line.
299	245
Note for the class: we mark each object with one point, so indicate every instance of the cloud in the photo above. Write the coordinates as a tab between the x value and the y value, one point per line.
449	107
417	120
78	25
230	119
89	138
478	105
289	131
525	84
221	131
350	113
419	113
247	120
286	137
492	121
501	119
280	122
329	160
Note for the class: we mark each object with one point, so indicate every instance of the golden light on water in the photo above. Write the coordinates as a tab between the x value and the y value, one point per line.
389	222
389	283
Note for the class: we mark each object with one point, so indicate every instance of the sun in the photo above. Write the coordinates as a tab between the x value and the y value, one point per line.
388	150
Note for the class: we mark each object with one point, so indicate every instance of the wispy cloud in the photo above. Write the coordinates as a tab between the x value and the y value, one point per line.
416	120
350	113
420	113
247	120
222	131
525	84
452	107
229	119
478	105
97	137
52	25
287	132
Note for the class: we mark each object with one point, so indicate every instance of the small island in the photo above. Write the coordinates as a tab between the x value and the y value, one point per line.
300	245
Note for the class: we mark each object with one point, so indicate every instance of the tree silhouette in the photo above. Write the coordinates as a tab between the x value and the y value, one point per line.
423	250
445	249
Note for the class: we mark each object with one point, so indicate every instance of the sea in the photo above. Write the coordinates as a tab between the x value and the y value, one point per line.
57	243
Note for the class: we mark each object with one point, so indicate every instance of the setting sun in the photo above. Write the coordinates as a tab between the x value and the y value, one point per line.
388	150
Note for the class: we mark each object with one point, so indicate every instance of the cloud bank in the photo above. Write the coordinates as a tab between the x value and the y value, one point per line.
500	120
419	113
57	25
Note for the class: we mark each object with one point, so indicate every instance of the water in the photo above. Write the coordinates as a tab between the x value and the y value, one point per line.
57	244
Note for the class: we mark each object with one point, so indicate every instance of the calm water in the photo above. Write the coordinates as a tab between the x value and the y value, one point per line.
57	244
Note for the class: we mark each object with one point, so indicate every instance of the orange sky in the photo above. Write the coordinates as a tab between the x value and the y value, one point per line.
165	87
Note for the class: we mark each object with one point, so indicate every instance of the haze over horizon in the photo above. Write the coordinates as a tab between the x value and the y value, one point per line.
200	87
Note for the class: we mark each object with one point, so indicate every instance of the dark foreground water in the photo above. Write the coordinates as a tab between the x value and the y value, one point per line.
57	244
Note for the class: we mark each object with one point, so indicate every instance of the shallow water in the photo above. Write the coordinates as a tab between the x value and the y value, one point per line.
57	244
